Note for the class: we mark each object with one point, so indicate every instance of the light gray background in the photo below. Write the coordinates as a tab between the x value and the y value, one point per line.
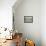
6	16
30	30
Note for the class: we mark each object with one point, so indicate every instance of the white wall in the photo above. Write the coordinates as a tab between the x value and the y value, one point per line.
30	30
43	22
6	13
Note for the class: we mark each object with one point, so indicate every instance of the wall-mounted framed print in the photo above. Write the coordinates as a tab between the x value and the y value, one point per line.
28	19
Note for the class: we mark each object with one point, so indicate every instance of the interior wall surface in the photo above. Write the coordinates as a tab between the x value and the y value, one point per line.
30	30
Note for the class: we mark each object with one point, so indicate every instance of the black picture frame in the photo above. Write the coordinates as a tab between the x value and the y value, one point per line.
28	19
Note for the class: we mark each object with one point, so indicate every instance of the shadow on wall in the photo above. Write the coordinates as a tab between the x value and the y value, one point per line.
28	8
